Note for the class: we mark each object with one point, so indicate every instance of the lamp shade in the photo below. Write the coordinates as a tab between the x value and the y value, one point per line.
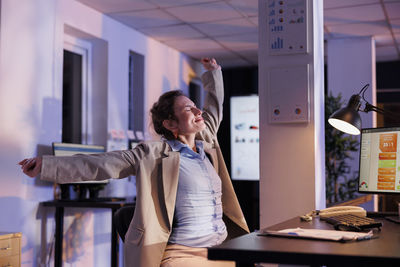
347	119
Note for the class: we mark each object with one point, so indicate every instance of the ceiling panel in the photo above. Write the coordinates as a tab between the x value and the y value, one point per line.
250	55
397	37
226	27
214	11
347	3
217	54
385	53
393	10
353	14
247	7
229	28
239	42
175	32
146	18
359	29
395	25
110	6
254	20
230	59
384	40
173	3
202	44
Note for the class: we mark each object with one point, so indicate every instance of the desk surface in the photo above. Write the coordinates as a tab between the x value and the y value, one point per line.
112	203
252	248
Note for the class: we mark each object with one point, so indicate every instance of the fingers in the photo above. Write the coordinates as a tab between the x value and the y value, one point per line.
28	164
210	63
22	162
207	60
31	166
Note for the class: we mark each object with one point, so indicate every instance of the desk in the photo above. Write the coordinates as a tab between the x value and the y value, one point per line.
113	204
251	248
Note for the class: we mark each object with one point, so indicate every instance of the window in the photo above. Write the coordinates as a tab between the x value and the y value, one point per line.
136	92
76	91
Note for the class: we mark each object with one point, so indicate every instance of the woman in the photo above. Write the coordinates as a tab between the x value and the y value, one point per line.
183	186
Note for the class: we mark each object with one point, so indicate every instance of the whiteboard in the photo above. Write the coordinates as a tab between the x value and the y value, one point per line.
244	138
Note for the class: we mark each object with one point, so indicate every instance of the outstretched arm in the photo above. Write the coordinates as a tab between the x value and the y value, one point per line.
85	167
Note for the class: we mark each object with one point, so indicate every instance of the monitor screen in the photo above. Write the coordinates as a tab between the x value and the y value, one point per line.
379	161
68	149
244	138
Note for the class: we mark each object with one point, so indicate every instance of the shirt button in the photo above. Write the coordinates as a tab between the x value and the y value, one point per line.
215	228
214	215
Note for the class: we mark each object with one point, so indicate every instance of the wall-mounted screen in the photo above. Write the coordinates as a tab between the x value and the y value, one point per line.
379	161
244	138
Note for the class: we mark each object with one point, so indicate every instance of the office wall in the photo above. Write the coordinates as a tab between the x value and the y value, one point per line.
351	65
31	45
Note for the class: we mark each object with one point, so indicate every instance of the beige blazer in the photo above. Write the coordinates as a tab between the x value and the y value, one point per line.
156	168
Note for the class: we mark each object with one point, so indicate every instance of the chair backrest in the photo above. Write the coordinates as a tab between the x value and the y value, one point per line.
123	217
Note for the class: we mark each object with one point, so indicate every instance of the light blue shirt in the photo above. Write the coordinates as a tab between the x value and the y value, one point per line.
198	209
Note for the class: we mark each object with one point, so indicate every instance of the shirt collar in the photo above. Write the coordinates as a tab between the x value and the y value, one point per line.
178	146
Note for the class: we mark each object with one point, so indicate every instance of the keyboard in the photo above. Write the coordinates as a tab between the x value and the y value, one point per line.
351	222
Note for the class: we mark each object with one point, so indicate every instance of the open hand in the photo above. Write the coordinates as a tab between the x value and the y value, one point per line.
31	166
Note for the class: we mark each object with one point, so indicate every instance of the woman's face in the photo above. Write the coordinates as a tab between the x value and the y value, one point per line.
189	117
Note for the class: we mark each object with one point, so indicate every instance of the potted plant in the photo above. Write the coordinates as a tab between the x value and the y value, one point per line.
341	184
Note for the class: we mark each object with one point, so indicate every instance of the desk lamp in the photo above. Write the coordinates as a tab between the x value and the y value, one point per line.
348	120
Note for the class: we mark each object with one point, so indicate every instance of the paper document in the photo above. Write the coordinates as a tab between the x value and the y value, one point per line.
320	234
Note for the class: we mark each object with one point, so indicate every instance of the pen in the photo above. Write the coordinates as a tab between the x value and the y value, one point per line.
368	237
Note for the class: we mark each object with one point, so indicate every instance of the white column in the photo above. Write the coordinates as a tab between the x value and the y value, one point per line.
291	95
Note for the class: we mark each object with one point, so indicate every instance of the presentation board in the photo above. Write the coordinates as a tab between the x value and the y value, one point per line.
244	138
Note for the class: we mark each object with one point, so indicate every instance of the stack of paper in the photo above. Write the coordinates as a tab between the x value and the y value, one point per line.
320	234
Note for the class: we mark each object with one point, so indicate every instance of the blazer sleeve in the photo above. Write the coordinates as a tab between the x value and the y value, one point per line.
212	110
92	167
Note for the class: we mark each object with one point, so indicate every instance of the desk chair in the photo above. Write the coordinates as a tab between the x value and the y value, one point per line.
123	217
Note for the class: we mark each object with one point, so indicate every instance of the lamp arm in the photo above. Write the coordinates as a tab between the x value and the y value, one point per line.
369	107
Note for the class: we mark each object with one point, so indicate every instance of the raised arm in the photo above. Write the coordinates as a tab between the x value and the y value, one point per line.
213	85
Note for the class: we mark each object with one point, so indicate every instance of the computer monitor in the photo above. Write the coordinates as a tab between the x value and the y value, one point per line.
68	149
379	170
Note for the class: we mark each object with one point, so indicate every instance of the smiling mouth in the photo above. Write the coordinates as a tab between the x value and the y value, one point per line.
199	119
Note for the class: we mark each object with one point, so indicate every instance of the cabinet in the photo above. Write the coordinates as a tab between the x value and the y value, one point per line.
10	249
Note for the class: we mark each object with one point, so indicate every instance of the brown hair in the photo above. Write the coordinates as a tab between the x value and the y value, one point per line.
162	110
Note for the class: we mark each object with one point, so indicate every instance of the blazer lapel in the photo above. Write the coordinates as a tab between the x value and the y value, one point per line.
170	173
213	154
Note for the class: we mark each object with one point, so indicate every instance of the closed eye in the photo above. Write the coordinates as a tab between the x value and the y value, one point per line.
190	107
